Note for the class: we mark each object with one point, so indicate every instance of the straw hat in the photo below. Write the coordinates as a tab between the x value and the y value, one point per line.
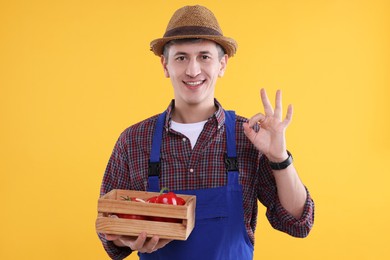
194	22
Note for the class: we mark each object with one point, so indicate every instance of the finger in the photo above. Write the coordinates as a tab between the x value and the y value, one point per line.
289	115
138	244
249	132
266	104
110	237
278	105
150	246
256	119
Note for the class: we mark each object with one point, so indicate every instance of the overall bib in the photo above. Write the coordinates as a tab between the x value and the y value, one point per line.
219	231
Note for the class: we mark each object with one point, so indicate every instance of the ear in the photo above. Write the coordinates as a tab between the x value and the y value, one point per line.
223	64
164	63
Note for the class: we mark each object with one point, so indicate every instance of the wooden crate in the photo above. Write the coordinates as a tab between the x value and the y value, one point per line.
112	203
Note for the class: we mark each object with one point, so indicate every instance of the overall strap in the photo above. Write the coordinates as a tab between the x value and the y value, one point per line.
154	161
231	158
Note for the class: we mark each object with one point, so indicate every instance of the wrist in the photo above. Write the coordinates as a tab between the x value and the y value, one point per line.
280	164
279	158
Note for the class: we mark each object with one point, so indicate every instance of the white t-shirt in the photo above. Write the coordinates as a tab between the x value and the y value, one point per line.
191	131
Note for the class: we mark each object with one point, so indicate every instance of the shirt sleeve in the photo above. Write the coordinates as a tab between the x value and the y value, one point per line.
277	215
114	252
115	175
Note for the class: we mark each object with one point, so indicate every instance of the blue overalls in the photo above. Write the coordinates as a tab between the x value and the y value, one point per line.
219	231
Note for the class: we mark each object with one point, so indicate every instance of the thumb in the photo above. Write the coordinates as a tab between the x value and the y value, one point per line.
249	132
110	237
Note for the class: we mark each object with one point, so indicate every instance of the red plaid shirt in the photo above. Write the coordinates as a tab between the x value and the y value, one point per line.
184	168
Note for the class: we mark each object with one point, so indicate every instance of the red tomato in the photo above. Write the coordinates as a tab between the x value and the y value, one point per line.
152	199
169	198
180	201
131	216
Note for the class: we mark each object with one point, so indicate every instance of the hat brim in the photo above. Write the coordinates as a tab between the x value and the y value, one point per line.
228	44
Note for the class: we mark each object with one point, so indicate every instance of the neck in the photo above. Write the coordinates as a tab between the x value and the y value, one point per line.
186	113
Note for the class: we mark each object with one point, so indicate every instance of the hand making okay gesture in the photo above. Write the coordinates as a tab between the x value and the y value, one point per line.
270	138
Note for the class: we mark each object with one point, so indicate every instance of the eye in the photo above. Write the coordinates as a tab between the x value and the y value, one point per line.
206	57
180	58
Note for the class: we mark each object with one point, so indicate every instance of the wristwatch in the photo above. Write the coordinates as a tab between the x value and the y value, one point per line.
282	165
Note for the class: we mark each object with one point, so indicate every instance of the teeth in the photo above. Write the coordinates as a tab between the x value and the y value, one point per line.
192	83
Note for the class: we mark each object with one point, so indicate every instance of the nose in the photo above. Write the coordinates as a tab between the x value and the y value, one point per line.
193	68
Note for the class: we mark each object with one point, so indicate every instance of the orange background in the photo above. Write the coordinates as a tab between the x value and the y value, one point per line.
74	74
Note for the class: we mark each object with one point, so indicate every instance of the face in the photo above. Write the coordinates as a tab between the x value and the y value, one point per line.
194	68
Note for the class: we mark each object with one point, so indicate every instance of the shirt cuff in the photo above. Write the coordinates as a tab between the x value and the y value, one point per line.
289	224
115	252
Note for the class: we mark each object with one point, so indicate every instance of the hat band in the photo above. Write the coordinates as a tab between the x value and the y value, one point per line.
191	30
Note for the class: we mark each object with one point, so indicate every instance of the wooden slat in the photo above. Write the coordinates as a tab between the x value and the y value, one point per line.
140	208
132	227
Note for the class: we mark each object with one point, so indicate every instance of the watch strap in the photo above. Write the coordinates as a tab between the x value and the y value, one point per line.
282	165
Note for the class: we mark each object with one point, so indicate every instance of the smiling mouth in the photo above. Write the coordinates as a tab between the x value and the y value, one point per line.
194	84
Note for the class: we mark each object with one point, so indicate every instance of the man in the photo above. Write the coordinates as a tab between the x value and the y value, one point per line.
223	159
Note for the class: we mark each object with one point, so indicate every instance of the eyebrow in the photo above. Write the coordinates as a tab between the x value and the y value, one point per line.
185	53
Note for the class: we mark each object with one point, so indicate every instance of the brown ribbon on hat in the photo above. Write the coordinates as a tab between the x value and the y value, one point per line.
191	30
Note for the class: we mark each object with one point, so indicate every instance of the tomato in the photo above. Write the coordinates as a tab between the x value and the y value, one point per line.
180	201
152	199
131	216
169	198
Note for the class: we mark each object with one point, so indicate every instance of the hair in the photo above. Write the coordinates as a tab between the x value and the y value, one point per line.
221	51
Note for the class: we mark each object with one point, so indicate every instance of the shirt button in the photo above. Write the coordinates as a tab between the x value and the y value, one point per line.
191	170
184	139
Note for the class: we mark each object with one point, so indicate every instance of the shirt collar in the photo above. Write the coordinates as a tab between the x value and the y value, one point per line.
219	115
